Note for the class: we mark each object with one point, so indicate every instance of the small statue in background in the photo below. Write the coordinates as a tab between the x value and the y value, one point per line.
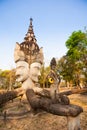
54	80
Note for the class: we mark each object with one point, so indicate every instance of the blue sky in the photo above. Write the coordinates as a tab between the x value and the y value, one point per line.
53	23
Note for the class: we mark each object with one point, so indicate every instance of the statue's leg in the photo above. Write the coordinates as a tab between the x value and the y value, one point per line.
73	123
72	112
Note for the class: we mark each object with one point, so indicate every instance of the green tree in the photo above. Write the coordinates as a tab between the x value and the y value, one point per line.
76	44
74	64
7	78
42	79
77	52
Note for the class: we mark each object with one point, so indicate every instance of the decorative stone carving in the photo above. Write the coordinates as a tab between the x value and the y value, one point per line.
29	59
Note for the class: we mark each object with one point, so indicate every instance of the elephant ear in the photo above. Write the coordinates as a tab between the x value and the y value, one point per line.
18	53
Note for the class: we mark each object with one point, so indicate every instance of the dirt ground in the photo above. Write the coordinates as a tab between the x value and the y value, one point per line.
20	118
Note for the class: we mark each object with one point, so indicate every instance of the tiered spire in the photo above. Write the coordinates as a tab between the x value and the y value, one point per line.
29	50
30	34
29	45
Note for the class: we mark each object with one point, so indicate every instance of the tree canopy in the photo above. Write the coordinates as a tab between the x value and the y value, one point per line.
73	65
